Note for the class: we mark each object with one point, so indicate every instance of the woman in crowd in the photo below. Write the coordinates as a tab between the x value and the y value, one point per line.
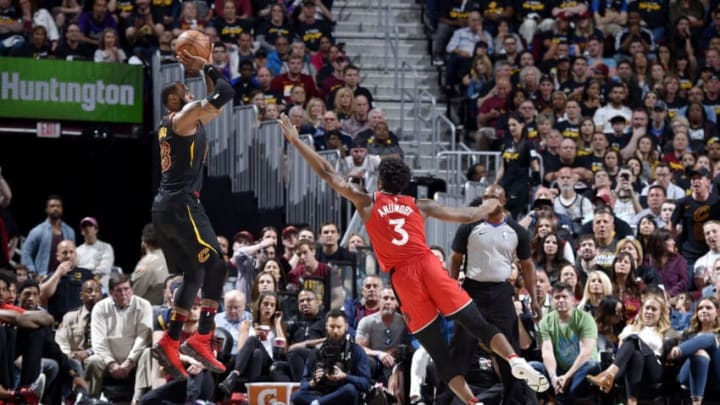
570	275
701	128
699	349
640	71
648	157
356	240
264	282
670	93
612	162
109	49
671	266
344	103
610	321
634	248
256	341
315	112
548	256
646	227
543	97
516	164
626	284
636	167
641	350
597	287
591	98
587	130
274	266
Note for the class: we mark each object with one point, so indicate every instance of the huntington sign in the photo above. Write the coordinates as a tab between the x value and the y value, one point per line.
63	90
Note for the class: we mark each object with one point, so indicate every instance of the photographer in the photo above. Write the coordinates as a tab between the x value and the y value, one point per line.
338	372
627	201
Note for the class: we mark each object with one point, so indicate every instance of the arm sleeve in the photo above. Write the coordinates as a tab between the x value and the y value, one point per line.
523	248
459	243
223	91
363	330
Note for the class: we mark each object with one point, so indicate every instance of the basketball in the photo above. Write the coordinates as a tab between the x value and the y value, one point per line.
195	42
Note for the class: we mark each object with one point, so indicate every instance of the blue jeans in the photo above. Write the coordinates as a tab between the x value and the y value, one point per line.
578	382
345	394
696	368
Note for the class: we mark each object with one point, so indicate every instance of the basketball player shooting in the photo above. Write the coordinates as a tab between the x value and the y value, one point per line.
182	227
396	226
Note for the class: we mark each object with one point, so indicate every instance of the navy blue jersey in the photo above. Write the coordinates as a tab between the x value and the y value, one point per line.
181	160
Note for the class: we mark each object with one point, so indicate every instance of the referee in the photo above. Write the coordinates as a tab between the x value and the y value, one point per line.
487	248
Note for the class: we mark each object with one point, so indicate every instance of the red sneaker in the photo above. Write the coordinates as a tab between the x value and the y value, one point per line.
167	354
32	394
199	347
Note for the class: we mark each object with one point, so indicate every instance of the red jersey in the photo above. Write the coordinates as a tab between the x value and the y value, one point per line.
397	230
12	308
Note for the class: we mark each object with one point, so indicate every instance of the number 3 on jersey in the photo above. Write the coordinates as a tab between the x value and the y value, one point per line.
398	223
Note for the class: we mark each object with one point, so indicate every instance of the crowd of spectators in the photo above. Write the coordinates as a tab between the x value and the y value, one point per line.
280	56
610	110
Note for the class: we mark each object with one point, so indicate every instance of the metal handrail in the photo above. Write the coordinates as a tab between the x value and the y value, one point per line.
453	129
456	174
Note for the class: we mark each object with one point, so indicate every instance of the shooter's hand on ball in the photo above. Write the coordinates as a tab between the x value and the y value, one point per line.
192	62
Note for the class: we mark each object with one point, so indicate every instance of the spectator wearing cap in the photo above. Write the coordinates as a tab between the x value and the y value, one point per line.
462	45
309	28
335	80
543	206
711	87
244	258
151	271
289	241
689	215
659	127
94	254
359	164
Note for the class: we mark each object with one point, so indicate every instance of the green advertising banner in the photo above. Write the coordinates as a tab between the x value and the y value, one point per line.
71	90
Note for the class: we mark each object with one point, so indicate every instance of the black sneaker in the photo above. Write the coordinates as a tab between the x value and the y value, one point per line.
228	385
